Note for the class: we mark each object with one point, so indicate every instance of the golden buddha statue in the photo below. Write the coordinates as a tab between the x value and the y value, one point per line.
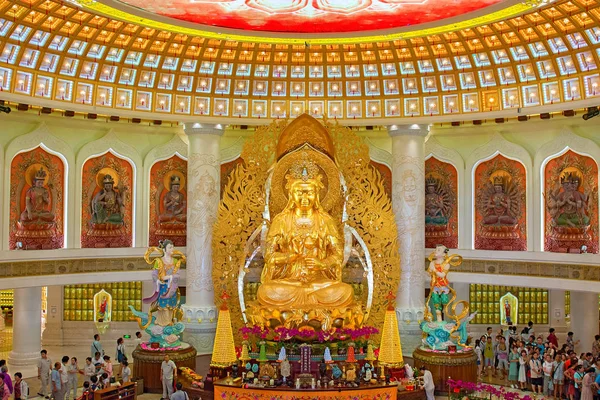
302	276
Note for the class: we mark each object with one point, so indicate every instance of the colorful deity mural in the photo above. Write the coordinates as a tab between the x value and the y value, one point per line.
441	204
168	201
37	182
571	204
500	205
107	202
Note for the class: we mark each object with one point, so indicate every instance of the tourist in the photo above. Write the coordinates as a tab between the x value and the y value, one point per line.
87	393
502	356
4	389
44	369
138	338
570	379
96	346
522	370
89	370
578	380
596	346
558	376
428	384
64	377
552	337
571	343
98	363
587	387
597	385
56	382
535	368
547	367
73	371
513	367
94	385
105	380
179	394
21	387
120	350
588	361
125	371
488	333
539	343
7	380
489	356
108	367
527	331
479	354
168	372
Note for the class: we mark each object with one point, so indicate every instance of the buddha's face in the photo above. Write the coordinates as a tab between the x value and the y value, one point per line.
39	183
304	195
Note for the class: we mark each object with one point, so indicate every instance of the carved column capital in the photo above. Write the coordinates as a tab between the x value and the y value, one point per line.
203	129
408	130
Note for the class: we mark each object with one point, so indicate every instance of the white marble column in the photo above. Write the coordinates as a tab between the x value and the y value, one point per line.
53	334
27	327
408	200
584	319
203	188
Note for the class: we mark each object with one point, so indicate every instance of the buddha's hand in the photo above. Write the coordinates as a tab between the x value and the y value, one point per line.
314	263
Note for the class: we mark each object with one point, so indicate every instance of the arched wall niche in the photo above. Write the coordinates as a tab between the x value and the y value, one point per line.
43	138
436	154
497	146
111	144
573	149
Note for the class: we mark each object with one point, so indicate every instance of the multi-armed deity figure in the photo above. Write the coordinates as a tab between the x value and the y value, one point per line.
568	206
108	205
502	203
448	328
174	204
303	259
162	320
38	207
437	203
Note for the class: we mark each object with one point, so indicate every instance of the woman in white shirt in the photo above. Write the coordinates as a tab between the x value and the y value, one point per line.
428	383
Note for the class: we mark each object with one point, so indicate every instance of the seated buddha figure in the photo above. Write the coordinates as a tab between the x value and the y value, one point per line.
499	207
174	204
108	206
37	202
571	205
303	257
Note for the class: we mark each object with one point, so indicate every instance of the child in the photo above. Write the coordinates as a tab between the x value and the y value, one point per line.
125	371
513	369
558	376
94	385
105	380
522	372
88	393
89	370
108	367
537	380
21	387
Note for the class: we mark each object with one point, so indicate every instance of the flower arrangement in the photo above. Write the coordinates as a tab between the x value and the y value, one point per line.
283	334
461	390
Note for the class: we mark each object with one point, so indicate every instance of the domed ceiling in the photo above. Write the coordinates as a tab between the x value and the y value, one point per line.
310	16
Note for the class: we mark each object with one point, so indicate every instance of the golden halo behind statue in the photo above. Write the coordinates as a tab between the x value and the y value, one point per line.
329	195
107	171
32	170
501	174
167	180
573	171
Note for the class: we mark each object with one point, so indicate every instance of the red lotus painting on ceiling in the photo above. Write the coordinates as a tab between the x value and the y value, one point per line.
310	16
